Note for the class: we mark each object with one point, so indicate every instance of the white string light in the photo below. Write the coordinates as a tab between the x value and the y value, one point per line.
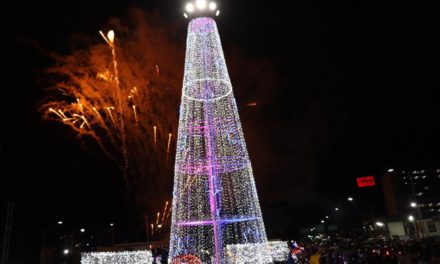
279	250
215	200
257	253
123	257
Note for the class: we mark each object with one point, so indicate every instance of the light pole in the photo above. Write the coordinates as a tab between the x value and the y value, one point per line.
159	227
411	219
112	227
415	204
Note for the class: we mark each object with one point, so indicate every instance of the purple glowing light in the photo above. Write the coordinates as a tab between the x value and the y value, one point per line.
202	25
221	221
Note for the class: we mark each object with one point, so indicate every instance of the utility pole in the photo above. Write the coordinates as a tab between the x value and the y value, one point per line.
7	234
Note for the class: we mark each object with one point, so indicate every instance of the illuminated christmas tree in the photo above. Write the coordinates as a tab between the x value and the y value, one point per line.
215	200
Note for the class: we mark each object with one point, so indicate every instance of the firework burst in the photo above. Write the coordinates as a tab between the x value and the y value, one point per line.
122	93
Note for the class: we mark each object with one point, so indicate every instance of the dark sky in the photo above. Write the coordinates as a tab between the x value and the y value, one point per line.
352	91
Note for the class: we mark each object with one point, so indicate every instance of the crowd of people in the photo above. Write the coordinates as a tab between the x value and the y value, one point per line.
160	255
350	251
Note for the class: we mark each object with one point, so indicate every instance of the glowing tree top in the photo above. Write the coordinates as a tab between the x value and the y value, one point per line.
215	201
201	8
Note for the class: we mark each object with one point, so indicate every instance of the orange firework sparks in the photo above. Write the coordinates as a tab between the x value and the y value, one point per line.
168	145
98	114
134	113
168	215
164	212
111	95
155	135
157	218
109	110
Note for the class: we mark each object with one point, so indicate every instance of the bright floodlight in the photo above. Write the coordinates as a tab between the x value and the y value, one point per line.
413	204
189	7
411	218
212	6
111	36
350	199
66	251
82	230
380	224
390	170
201	4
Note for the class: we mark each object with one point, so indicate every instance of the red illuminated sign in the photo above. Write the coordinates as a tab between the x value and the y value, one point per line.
366	181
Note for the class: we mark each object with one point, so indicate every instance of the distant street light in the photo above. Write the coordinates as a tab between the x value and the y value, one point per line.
350	199
322	221
411	218
111	224
413	204
326	216
82	230
390	170
66	252
60	222
336	209
380	224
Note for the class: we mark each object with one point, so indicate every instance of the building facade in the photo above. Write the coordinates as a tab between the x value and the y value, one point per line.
413	196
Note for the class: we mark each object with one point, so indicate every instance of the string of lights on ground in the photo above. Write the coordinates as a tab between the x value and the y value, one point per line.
123	257
257	252
215	201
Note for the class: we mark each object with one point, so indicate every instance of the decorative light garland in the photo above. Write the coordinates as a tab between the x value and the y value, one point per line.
279	250
215	201
123	257
188	259
258	253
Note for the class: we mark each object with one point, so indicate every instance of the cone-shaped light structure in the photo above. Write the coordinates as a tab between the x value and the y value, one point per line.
215	201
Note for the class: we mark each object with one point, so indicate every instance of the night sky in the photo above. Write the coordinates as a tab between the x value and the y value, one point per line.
343	89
